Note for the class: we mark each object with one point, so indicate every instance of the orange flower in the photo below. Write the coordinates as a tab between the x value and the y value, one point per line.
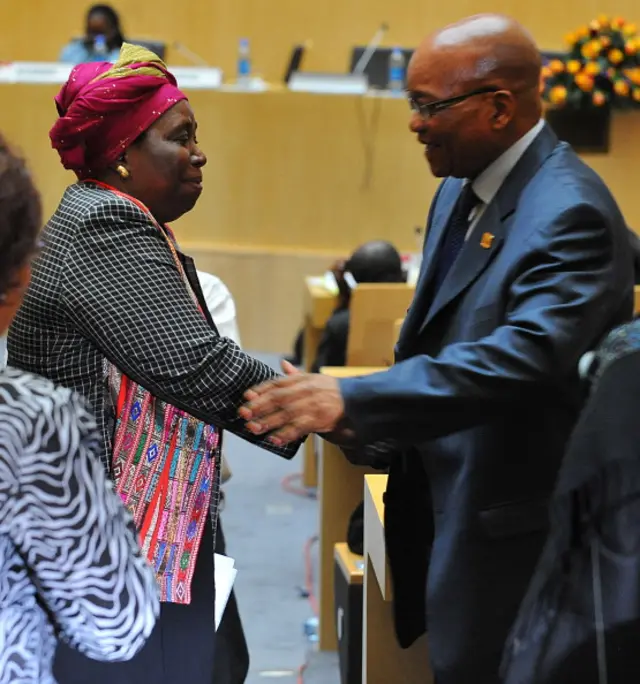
615	56
556	66
592	68
629	29
621	88
591	49
605	41
558	95
584	82
631	47
598	98
573	66
611	72
617	23
603	20
546	72
636	94
570	38
633	75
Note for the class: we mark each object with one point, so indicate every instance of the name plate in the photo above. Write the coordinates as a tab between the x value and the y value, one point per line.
205	78
329	84
35	72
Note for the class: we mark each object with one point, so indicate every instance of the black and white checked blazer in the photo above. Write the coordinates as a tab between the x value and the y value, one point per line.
106	287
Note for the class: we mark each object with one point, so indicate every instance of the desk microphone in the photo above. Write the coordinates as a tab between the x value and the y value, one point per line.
189	54
373	45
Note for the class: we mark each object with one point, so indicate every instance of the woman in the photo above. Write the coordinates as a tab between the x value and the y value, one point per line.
580	621
70	565
102	41
115	311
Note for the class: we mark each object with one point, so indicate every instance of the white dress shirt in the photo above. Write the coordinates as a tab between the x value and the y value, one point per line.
487	184
221	305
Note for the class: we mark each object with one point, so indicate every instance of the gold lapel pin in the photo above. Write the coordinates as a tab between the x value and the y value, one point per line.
486	240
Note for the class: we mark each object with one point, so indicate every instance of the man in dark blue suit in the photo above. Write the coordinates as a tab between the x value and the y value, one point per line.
526	266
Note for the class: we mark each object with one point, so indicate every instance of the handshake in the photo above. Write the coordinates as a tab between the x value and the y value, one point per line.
291	407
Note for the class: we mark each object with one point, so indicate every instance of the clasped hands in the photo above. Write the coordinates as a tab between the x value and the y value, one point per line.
294	406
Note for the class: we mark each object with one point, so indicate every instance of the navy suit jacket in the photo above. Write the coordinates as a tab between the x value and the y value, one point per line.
483	398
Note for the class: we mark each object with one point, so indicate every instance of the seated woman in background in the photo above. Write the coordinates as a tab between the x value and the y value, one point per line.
102	41
115	311
374	262
70	565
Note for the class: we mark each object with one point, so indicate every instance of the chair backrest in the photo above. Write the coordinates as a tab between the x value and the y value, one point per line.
374	310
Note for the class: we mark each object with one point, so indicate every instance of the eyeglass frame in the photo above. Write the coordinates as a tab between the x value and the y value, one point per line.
429	109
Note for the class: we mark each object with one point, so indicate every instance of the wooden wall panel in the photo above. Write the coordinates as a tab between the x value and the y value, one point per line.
36	29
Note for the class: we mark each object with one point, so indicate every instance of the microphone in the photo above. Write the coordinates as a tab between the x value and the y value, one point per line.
189	54
373	45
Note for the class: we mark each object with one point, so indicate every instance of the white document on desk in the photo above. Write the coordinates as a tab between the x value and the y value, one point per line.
224	576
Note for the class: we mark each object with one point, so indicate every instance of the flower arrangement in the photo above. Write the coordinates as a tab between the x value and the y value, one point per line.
602	67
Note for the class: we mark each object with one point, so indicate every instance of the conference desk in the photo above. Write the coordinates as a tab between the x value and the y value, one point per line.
293	182
383	661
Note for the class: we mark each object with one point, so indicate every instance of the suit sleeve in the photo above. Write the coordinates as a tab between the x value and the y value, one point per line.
558	302
122	290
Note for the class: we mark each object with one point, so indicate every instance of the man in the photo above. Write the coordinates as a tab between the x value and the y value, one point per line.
376	261
516	284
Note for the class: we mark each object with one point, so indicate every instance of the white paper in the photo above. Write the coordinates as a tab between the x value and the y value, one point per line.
224	576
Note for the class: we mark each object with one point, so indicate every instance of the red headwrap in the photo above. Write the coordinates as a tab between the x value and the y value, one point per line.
104	107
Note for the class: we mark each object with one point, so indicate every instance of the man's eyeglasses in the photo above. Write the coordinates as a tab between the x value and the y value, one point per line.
428	109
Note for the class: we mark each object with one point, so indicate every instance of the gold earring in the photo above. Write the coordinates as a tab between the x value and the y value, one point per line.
123	171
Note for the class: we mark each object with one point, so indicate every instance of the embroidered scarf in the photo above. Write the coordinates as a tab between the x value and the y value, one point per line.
165	465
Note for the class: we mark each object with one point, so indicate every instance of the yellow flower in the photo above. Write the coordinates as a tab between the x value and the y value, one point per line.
621	88
591	49
598	98
615	56
636	94
629	29
573	66
584	82
605	41
558	95
603	20
546	72
633	75
556	66
582	32
631	47
592	68
570	38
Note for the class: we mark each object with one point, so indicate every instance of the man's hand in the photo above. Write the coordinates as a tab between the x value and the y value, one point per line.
293	406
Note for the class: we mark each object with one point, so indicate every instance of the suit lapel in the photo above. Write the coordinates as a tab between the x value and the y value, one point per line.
488	234
433	241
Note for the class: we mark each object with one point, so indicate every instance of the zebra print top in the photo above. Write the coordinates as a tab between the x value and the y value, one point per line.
70	566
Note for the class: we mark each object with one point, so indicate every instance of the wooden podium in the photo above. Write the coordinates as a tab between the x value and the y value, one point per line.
340	490
636	300
383	661
319	304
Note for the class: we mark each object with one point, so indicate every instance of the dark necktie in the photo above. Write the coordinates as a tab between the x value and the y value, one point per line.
455	234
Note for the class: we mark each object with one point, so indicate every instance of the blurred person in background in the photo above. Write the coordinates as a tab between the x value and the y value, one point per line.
231	664
70	564
102	40
115	311
374	262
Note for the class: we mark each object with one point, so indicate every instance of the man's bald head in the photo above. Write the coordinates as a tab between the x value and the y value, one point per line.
482	75
490	47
